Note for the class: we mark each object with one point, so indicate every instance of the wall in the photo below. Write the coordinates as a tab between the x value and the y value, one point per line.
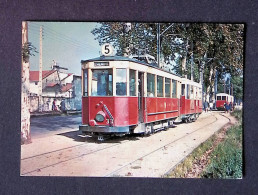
75	102
34	103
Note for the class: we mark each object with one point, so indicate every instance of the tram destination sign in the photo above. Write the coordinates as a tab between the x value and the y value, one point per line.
101	63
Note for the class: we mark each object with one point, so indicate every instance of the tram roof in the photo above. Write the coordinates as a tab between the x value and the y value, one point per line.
121	58
223	94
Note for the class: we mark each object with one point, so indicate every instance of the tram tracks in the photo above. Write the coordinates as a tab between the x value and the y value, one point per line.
161	147
78	151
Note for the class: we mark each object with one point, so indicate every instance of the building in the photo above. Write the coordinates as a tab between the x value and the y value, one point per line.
56	85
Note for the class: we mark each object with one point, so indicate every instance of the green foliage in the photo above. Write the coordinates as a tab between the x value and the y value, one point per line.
238	114
207	46
226	159
237	82
28	50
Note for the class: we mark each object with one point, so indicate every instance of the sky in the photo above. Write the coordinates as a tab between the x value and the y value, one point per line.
65	42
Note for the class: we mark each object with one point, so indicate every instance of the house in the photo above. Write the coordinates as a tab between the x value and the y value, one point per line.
55	85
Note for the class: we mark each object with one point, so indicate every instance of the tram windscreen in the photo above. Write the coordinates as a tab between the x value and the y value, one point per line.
223	97
102	83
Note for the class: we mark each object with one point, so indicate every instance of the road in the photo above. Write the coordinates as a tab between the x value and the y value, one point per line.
69	154
51	125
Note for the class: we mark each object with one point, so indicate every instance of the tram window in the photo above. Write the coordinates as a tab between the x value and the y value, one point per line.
159	86
102	83
174	89
85	83
223	97
191	92
183	90
218	97
132	83
167	87
187	92
121	81
150	85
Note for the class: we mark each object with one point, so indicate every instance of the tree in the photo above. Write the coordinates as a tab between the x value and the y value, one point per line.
207	47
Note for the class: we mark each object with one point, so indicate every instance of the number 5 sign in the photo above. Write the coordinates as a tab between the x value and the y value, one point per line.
107	49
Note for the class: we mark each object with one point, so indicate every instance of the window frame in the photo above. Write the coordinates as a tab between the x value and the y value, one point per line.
160	80
148	84
110	70
85	83
135	82
124	69
168	84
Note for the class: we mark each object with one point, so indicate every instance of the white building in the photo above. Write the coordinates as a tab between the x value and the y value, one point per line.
55	85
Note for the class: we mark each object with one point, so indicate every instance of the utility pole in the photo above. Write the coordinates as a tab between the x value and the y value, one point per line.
216	83
40	70
25	86
232	91
202	69
224	86
228	86
184	61
158	44
192	61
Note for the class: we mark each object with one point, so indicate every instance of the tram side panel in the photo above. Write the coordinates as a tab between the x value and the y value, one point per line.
126	111
85	110
161	108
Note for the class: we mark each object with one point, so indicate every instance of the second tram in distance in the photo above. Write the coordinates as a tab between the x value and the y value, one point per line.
124	95
222	99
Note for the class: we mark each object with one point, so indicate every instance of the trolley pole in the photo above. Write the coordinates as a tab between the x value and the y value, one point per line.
40	70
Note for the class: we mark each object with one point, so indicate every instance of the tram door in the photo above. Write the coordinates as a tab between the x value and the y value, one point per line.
140	96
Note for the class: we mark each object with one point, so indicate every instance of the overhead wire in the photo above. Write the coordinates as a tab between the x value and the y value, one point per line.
59	39
65	37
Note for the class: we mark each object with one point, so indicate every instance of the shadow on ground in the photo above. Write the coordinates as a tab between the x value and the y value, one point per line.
78	137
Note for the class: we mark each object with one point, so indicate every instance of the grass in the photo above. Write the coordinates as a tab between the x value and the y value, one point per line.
225	160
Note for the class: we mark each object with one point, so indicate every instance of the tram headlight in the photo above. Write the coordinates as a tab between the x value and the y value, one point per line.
100	116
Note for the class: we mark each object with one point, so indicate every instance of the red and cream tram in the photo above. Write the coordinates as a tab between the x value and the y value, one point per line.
222	98
123	95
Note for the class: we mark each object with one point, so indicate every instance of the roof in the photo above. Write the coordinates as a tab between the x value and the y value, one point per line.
69	74
51	84
66	87
34	75
117	58
121	58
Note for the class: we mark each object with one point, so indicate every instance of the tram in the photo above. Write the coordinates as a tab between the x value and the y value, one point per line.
124	95
222	98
